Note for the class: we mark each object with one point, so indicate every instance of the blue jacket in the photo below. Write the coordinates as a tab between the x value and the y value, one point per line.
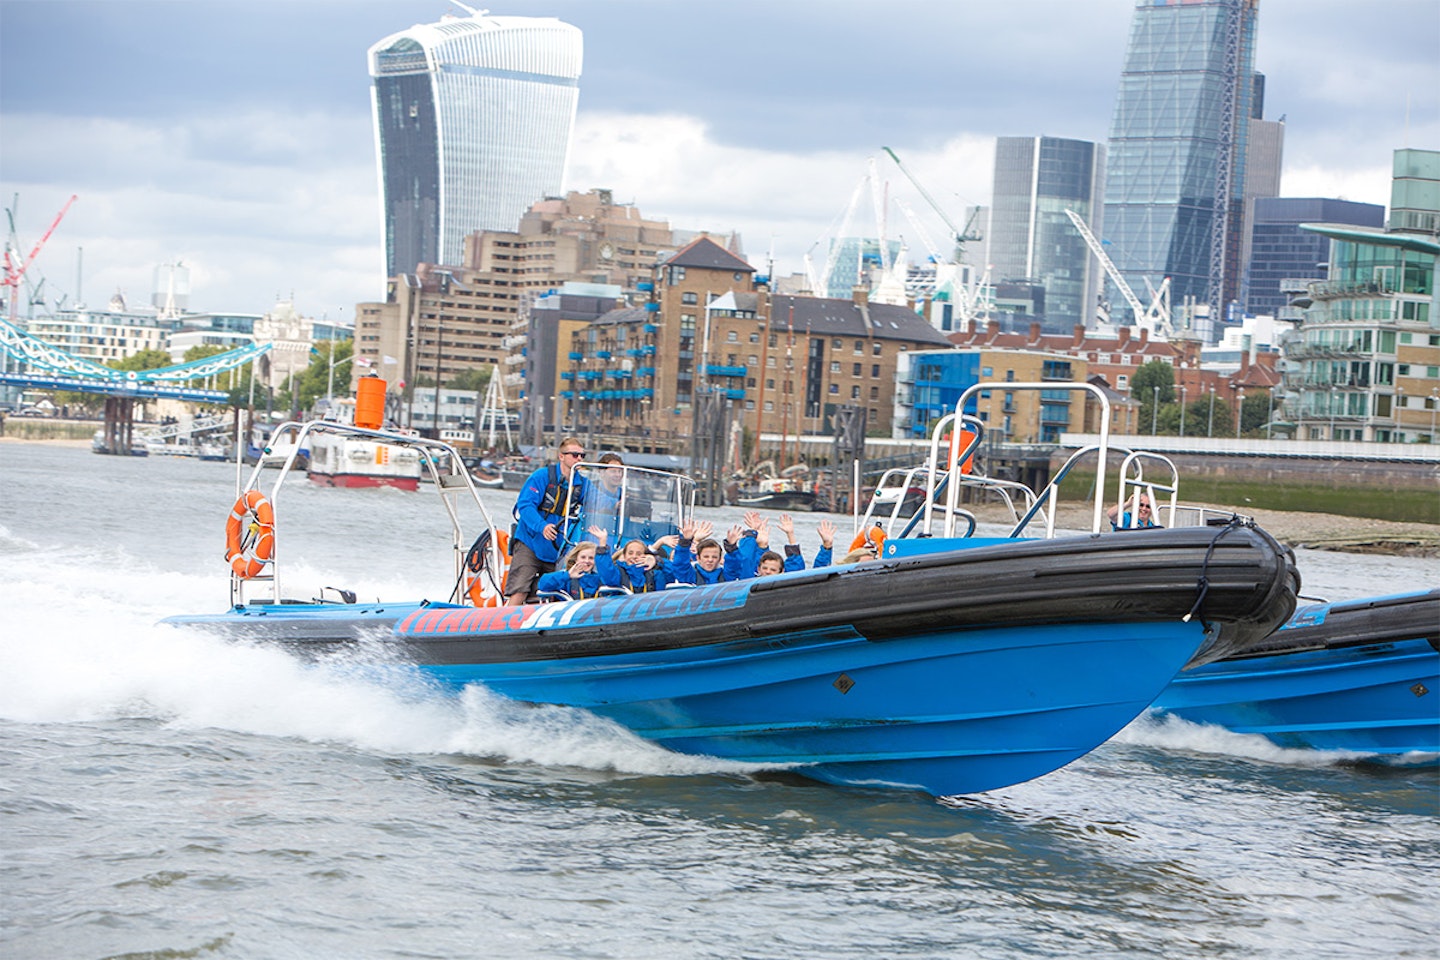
691	571
578	588
541	502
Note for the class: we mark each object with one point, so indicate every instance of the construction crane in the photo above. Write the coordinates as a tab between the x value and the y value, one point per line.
1155	318
960	236
14	269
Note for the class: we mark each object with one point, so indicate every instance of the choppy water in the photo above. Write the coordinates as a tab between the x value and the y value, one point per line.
167	795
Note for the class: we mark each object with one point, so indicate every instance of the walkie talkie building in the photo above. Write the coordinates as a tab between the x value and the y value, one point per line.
473	117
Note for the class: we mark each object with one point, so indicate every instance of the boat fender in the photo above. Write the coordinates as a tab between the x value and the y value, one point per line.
250	535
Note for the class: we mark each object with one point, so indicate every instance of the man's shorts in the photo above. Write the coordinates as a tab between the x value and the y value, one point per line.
525	570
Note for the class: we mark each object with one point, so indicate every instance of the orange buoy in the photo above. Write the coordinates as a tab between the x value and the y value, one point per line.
250	535
370	403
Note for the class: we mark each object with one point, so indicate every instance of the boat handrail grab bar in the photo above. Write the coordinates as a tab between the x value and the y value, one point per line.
1101	448
1139	484
457	481
953	459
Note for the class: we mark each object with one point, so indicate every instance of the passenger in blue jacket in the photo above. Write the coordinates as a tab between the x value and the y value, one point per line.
713	563
579	578
793	560
547	514
640	569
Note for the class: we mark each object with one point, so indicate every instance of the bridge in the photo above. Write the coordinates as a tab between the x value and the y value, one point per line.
60	370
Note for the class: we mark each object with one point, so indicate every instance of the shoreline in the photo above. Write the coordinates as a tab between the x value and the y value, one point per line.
1314	531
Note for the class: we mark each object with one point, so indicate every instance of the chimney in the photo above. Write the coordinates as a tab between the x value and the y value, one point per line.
1144	336
1034	332
861	295
1079	336
1124	337
992	329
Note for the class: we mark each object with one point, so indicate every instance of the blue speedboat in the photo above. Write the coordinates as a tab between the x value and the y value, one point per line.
1357	675
949	664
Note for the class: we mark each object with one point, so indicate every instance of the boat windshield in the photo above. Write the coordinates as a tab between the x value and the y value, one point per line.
632	503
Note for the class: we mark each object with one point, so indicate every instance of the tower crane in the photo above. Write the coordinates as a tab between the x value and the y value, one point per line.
1155	318
15	269
961	237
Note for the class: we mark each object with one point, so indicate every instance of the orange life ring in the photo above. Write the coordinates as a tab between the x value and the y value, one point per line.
476	562
250	535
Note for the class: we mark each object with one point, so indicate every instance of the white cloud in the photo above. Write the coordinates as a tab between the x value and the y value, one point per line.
670	167
257	204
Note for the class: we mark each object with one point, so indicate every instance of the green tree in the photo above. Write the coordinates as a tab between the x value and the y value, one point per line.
1255	413
144	360
476	379
304	388
1148	378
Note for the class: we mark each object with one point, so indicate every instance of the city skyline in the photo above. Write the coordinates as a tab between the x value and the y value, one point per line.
740	117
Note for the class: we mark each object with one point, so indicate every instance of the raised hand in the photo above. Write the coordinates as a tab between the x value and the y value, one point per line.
703	529
734	534
787	524
827	534
599	534
762	532
751	519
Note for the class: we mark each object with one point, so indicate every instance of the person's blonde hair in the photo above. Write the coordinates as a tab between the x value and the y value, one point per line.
573	554
619	555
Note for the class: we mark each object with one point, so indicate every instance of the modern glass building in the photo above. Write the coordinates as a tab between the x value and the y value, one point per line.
1368	365
1031	238
1178	142
1280	250
473	117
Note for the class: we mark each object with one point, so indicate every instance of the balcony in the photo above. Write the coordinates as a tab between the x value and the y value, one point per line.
719	370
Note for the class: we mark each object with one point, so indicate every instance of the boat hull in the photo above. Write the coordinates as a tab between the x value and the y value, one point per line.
1361	676
950	670
363	480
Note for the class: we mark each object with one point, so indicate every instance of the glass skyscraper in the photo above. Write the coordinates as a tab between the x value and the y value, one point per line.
1036	180
1177	145
473	117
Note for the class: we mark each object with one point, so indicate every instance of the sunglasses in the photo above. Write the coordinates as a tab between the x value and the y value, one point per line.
573	453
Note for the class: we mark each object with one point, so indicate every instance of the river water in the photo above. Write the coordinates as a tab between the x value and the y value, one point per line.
167	795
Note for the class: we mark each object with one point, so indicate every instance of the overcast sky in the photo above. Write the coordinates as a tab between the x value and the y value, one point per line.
236	136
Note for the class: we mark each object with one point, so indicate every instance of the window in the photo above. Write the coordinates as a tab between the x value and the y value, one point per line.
689	297
732	337
754	338
769	406
987	371
859	347
770	362
834	366
855	370
874	393
875	370
774	339
855	393
834	389
754	360
837	343
749	404
875	348
769	384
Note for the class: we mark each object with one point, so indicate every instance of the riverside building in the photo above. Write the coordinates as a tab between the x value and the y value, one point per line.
1367	366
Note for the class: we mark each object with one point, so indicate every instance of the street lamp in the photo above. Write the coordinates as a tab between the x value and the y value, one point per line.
1155	411
1434	406
1270	413
1182	411
1210	427
1332	411
1239	410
